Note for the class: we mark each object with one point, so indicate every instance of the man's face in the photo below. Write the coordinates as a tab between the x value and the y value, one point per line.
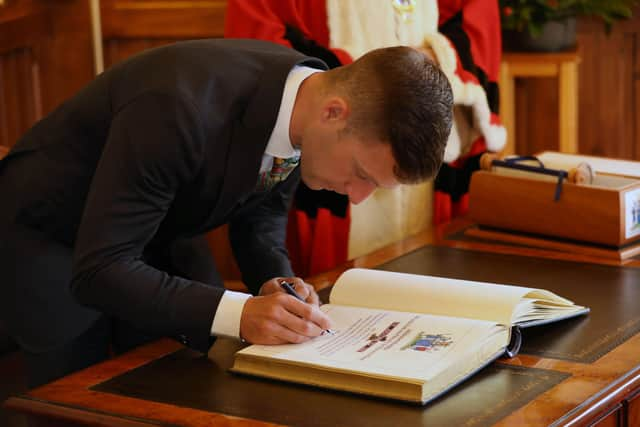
346	164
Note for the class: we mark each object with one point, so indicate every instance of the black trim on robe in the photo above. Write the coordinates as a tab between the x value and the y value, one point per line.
452	180
453	30
455	181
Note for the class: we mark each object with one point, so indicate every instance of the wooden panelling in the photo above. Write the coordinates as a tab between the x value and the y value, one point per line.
130	27
149	19
45	57
612	419
66	58
609	95
23	24
563	68
633	410
607	81
115	50
20	104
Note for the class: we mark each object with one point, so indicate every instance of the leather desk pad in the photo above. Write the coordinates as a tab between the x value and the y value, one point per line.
612	293
188	379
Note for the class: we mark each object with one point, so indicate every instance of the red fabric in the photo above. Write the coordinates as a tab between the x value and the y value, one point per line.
481	23
316	245
265	20
319	244
441	207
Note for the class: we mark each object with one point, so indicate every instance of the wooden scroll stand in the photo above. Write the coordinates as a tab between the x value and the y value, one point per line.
516	205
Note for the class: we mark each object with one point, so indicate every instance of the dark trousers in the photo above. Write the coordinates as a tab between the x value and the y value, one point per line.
40	312
57	335
105	338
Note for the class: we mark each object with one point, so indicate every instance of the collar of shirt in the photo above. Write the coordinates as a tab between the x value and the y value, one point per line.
279	144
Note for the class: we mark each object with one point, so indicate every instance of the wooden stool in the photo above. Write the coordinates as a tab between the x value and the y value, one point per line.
564	66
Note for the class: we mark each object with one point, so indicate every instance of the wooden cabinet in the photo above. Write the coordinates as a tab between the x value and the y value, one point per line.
632	405
45	56
46	50
132	26
609	96
612	418
563	66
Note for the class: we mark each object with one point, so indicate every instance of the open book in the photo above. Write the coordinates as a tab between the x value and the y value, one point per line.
405	336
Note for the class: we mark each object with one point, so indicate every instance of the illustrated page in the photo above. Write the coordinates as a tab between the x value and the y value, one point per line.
415	346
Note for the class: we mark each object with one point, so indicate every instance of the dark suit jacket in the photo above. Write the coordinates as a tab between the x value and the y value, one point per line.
163	146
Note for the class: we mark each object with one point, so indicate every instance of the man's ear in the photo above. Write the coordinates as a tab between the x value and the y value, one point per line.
335	109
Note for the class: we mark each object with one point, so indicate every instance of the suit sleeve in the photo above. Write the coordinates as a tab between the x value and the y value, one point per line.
258	236
154	148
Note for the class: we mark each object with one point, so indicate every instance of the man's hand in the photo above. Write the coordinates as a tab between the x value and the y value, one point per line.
305	290
279	318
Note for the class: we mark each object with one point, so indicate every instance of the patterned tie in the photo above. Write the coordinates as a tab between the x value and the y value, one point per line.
279	172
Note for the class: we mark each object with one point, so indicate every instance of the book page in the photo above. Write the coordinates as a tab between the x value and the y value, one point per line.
566	161
434	295
402	345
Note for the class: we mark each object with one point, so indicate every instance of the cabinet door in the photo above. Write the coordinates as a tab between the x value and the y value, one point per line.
131	26
611	131
633	410
46	55
612	418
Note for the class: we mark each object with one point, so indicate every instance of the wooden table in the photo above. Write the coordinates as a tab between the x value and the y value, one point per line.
598	392
564	66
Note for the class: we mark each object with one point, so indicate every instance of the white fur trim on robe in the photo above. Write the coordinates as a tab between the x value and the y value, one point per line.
358	26
466	92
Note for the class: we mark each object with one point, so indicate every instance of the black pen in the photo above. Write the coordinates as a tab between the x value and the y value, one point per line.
288	288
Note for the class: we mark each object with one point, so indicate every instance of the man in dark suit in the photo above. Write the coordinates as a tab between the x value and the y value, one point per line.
104	200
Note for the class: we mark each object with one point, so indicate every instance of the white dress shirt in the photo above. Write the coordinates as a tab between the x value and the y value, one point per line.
226	321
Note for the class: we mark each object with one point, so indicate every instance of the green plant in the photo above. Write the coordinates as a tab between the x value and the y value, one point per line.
531	15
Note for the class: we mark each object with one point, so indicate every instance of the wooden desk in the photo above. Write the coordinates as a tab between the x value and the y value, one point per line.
599	392
564	66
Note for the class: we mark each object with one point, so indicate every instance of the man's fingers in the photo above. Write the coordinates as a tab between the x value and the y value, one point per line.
285	335
278	318
301	325
312	298
304	290
308	312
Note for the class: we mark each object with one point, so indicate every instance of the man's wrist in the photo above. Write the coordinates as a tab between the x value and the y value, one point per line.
226	321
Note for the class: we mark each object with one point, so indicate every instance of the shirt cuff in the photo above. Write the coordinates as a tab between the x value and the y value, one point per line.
226	321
